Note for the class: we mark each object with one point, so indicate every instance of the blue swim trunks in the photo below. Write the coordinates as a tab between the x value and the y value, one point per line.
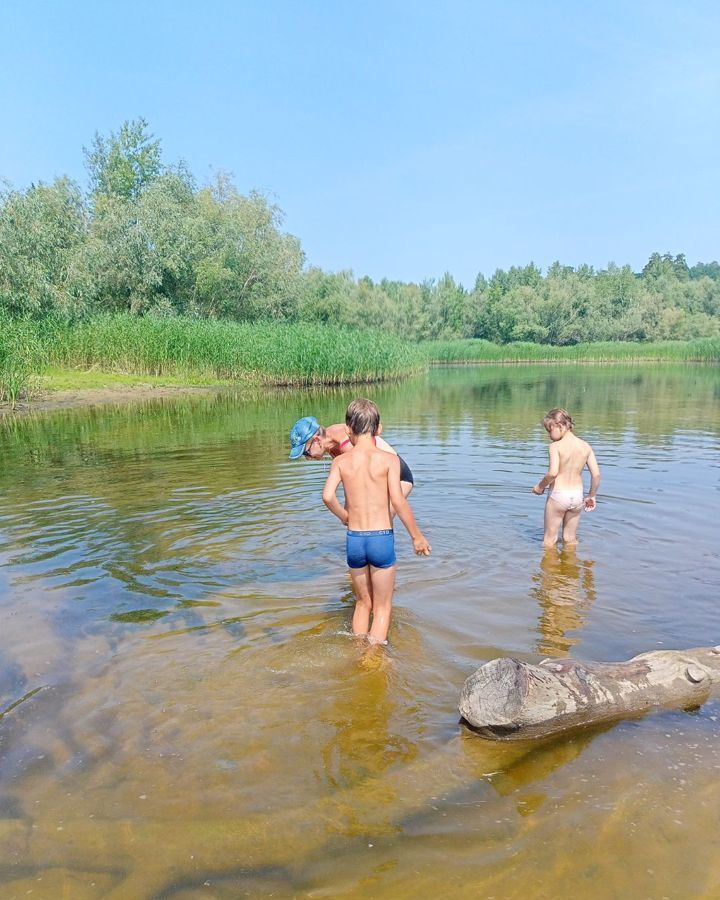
371	548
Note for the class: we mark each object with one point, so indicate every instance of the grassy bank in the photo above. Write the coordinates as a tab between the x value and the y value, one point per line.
22	355
175	350
479	351
201	350
57	379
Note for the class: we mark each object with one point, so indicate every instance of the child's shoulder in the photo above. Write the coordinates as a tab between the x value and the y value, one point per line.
585	445
341	461
383	459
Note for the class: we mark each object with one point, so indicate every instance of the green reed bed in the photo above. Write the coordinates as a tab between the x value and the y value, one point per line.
22	354
273	353
479	351
270	353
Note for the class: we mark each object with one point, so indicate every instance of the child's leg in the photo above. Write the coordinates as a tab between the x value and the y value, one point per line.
383	585
553	520
571	521
363	599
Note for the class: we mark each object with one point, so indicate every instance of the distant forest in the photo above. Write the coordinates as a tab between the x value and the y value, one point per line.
144	238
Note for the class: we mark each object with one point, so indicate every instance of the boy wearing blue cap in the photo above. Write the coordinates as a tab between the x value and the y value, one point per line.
371	481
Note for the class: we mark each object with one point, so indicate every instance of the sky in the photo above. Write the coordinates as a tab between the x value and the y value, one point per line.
401	139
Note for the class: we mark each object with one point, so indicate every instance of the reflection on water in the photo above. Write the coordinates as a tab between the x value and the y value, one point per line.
564	588
362	740
183	712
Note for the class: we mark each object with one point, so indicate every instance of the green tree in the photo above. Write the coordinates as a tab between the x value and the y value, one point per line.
246	267
141	252
680	267
706	270
658	266
41	235
325	296
123	164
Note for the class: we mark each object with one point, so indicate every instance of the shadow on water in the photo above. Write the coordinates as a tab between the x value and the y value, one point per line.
522	764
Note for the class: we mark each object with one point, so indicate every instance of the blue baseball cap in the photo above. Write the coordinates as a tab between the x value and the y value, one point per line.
300	434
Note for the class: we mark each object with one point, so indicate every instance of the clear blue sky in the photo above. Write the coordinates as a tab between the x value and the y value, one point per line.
402	139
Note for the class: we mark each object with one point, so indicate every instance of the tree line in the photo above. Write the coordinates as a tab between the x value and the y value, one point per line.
143	237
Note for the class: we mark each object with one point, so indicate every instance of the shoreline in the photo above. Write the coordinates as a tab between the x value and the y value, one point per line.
94	388
52	400
609	361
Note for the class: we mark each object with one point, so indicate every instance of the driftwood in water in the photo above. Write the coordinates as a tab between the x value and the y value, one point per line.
510	700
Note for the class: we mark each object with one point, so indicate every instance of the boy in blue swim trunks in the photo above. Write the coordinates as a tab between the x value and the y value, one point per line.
371	480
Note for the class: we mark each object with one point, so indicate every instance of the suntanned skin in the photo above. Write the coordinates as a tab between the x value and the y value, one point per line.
568	456
333	439
371	480
331	442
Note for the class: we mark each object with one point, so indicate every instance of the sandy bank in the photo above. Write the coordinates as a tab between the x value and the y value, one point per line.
47	401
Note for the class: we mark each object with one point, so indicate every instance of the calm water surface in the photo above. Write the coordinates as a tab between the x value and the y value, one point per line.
184	714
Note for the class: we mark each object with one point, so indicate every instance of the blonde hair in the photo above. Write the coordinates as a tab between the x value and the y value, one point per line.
558	416
362	417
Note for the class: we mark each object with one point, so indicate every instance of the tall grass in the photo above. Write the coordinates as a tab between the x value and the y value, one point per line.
471	351
21	356
271	353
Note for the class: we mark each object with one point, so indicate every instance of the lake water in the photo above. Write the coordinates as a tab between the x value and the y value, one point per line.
185	715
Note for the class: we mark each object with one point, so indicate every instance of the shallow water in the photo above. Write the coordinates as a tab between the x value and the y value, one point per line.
184	713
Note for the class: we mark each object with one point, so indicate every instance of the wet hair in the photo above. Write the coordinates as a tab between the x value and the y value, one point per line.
558	416
362	417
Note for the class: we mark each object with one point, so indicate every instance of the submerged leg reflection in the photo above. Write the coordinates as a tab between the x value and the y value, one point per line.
564	588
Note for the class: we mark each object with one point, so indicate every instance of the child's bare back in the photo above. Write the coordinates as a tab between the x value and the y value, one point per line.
573	455
568	456
366	475
371	480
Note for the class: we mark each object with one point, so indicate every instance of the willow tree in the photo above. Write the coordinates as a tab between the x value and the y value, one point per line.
123	164
246	267
42	231
140	253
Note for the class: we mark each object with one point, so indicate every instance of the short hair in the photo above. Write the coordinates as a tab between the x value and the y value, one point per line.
362	417
558	416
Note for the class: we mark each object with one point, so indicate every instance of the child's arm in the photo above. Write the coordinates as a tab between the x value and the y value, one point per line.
402	508
551	474
329	493
590	501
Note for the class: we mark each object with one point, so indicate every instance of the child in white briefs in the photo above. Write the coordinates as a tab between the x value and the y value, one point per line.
568	457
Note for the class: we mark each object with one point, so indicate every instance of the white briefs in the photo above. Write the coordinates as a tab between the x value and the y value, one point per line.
568	500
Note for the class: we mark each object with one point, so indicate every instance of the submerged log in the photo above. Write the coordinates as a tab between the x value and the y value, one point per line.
510	700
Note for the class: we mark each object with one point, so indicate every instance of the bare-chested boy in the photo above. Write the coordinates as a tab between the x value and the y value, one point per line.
568	457
371	480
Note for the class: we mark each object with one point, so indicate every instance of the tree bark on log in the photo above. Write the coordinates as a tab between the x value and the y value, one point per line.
511	700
